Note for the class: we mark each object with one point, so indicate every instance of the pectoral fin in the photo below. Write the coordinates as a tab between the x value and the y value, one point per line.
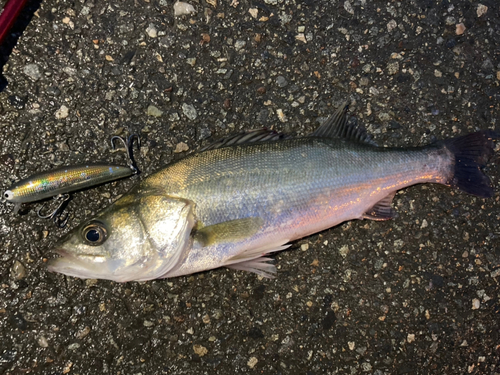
233	230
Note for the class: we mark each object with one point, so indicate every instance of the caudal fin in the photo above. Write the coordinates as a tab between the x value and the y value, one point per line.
472	152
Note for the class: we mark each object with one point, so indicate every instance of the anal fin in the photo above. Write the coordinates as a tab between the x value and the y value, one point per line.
260	266
381	210
253	260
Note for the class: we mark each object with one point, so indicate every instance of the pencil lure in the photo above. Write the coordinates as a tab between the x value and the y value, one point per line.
64	180
58	183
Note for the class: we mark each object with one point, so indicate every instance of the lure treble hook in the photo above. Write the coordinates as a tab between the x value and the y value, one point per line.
62	200
128	145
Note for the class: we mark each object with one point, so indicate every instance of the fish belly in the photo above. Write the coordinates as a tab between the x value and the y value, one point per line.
298	187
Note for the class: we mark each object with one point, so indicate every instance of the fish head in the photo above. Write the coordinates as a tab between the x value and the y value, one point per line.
139	237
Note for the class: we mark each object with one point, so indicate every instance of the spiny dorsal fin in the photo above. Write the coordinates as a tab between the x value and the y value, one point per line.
381	210
250	136
336	126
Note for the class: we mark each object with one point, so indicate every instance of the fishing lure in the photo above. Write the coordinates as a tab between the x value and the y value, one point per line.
58	183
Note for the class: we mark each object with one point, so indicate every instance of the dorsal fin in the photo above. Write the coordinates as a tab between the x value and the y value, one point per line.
249	136
336	126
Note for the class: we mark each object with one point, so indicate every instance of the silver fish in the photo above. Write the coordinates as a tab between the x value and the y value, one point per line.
232	204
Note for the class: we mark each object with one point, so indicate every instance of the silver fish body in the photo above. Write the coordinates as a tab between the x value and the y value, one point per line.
231	206
297	187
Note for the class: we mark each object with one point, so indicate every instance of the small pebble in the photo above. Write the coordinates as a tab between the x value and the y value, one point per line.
460	29
281	81
384	116
200	350
151	31
393	68
410	338
83	333
252	362
74	346
181	8
181	147
281	115
348	7
367	367
392	25
18	271
304	247
33	71
239	44
154	112
449	21
481	10
67	368
42	342
189	111
301	37
475	304
62	112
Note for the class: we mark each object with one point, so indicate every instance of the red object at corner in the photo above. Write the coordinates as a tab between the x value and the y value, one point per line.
9	15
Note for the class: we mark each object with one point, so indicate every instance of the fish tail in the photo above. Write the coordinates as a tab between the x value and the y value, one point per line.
471	153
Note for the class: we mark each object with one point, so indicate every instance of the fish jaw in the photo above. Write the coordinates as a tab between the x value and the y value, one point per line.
71	265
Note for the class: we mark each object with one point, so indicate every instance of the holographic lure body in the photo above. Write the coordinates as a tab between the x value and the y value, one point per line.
64	180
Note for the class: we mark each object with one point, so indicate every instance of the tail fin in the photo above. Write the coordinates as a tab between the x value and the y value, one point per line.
472	152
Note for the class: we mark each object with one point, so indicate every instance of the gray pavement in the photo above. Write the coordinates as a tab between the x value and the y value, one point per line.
415	295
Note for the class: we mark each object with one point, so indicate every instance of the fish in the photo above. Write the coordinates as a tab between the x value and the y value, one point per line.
233	204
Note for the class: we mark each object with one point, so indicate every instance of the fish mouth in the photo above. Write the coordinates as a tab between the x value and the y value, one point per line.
73	265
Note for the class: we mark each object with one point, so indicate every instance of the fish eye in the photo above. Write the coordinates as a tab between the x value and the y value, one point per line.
8	194
94	233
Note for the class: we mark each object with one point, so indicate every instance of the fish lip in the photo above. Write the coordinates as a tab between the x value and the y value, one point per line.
63	253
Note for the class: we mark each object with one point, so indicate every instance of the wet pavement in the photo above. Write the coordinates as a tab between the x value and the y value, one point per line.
416	295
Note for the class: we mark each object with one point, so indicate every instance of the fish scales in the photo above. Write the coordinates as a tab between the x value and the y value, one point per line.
298	186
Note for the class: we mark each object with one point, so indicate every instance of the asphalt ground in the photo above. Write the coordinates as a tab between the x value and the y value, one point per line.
415	295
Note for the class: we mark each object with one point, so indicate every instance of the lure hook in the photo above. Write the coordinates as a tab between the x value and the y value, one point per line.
128	145
62	199
61	222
